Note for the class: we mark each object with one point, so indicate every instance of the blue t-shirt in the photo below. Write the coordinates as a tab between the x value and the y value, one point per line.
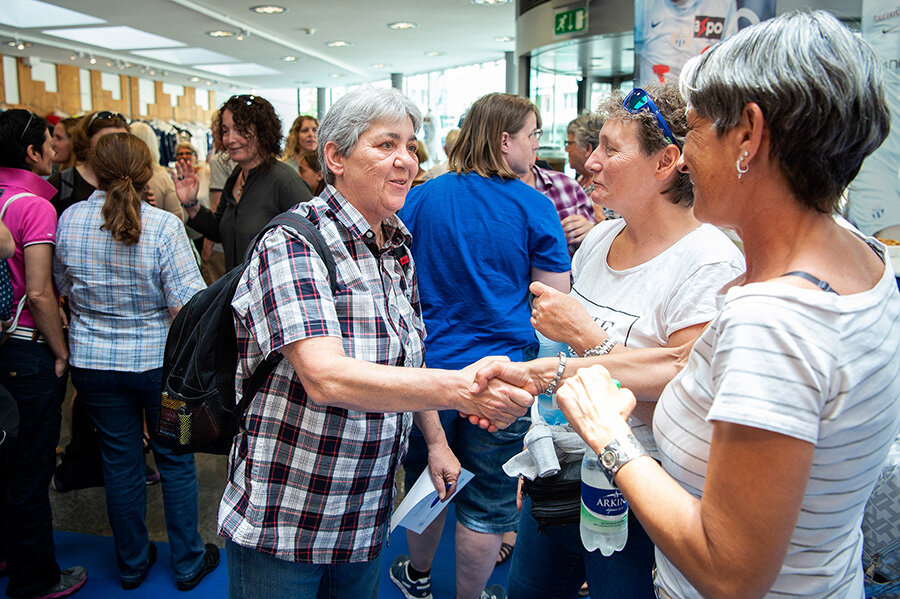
475	240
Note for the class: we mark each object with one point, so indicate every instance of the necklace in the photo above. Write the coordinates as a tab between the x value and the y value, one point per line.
239	185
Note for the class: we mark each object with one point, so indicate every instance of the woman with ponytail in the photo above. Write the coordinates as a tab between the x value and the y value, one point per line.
127	269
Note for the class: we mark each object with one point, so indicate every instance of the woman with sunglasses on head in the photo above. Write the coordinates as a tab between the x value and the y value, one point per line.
773	435
76	184
261	186
34	360
127	269
644	286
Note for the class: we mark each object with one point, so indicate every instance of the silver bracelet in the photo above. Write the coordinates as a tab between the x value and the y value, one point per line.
600	350
551	388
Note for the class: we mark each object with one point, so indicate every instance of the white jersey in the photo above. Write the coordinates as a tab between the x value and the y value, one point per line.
642	306
816	366
667	33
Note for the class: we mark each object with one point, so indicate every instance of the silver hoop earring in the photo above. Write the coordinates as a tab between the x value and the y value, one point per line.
740	170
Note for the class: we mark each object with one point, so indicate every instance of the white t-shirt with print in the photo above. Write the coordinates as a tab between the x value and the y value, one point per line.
642	306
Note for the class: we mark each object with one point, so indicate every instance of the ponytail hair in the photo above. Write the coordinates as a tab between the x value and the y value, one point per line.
123	167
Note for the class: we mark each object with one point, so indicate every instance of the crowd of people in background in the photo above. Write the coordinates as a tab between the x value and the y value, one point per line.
742	400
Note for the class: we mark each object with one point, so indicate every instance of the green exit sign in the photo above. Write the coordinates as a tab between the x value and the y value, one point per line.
570	21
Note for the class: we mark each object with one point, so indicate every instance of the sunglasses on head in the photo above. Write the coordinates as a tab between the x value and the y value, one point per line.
244	99
638	100
106	115
27	125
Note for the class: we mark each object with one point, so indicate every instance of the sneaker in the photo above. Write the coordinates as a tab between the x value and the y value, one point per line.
210	561
495	591
130	585
70	582
412	589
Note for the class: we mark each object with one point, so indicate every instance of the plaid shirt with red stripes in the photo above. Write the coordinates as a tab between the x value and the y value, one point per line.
314	483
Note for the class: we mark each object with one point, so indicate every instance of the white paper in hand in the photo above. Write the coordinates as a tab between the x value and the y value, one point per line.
421	505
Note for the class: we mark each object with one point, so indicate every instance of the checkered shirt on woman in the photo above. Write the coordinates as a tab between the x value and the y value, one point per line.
314	483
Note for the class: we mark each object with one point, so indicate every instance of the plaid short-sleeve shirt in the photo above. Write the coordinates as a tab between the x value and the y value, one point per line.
314	483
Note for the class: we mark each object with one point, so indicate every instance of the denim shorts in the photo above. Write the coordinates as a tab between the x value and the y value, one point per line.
488	503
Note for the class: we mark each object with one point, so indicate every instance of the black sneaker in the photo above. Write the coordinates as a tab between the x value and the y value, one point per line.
70	582
495	591
130	585
210	561
411	589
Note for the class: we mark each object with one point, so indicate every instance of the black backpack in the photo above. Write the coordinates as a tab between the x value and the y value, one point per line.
197	407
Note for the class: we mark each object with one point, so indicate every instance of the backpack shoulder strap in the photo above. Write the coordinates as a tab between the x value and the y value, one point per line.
10	201
311	233
308	231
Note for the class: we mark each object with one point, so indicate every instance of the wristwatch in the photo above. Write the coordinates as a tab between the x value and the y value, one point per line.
619	452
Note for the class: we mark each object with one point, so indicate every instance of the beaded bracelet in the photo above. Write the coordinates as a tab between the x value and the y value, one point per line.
192	204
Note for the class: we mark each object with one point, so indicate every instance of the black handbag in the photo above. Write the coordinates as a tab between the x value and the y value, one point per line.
556	500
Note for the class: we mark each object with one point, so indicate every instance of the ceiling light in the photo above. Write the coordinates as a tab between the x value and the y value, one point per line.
108	63
241	35
338	44
336	75
504	38
380	65
24	14
72	57
491	2
220	33
434	53
195	79
289	58
402	25
268	9
92	60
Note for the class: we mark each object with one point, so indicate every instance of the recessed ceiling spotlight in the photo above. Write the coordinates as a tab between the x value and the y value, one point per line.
241	35
504	38
72	57
402	25
491	2
220	33
434	53
336	75
92	60
268	9
289	58
108	63
338	44
380	65
18	45
195	79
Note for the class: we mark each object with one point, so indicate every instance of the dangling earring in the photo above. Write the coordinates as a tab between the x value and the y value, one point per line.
740	170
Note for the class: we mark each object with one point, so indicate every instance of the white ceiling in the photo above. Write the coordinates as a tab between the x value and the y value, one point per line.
463	32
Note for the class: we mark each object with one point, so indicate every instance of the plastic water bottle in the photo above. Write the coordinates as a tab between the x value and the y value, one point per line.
604	511
547	406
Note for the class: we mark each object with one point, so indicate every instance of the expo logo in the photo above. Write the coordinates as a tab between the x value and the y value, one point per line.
709	27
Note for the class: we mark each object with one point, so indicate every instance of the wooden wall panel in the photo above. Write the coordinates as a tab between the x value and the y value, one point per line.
33	95
2	84
103	100
68	82
162	108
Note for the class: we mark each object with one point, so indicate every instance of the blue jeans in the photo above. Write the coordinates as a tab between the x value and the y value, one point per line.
488	503
256	575
552	563
117	403
26	528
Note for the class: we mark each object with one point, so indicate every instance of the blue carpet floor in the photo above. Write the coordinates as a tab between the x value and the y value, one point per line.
96	553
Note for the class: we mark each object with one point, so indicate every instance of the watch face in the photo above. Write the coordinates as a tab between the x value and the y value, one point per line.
608	459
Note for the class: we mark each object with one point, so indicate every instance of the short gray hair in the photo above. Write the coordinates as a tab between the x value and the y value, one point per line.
586	129
819	88
353	114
